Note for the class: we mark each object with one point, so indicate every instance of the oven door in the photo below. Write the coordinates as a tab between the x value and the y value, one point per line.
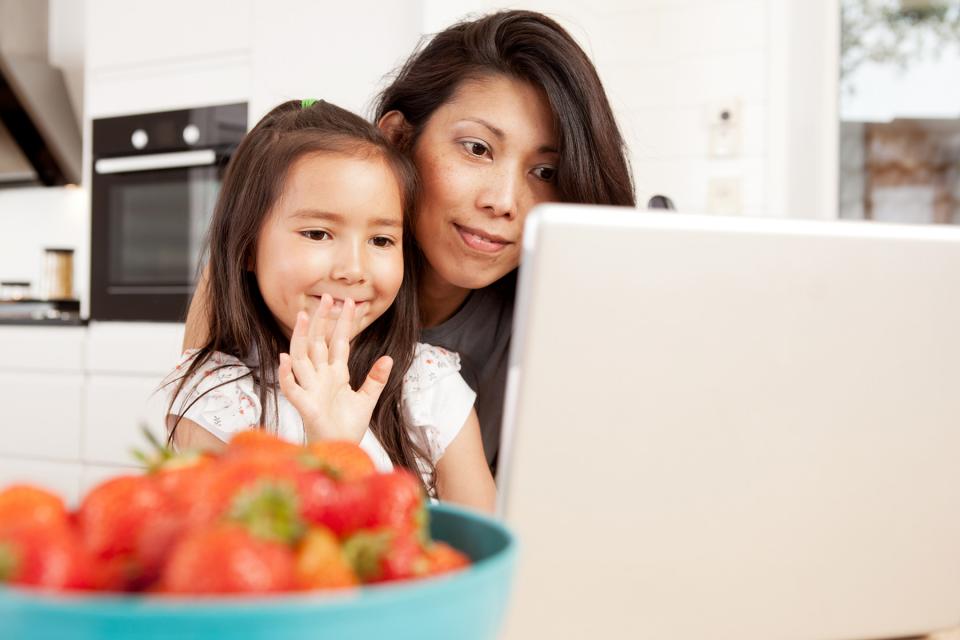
150	215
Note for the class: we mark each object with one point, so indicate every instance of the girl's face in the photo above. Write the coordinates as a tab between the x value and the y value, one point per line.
485	158
336	228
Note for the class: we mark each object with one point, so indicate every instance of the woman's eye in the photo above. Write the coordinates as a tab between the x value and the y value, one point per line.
475	148
382	242
547	174
315	234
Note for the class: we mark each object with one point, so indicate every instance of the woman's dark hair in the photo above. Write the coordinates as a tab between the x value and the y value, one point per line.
239	322
529	46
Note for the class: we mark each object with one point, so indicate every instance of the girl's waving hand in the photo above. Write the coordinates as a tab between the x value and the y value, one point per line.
316	379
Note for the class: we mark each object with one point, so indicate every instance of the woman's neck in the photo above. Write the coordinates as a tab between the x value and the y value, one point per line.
439	299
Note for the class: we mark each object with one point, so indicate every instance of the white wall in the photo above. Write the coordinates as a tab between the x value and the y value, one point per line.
671	66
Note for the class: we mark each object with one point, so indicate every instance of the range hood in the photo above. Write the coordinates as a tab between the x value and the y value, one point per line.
40	139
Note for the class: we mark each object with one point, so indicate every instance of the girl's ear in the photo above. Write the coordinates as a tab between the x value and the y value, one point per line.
395	127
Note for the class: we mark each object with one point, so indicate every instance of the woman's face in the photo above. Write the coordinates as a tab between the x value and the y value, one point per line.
485	158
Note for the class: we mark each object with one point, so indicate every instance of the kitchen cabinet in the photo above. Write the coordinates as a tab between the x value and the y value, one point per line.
123	34
75	398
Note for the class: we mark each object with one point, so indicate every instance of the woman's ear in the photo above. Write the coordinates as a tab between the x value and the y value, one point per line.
395	127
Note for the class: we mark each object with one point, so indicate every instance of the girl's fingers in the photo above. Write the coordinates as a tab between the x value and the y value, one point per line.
299	339
318	331
288	383
340	340
377	379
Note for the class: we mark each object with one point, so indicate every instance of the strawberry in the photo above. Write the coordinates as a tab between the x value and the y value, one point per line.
321	563
43	556
226	558
395	500
385	555
260	442
113	514
22	504
346	459
216	489
442	558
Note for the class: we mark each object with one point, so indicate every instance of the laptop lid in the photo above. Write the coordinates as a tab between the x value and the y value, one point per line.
733	428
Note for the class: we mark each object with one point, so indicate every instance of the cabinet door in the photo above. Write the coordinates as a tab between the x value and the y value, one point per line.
57	349
122	34
145	348
117	407
42	414
63	478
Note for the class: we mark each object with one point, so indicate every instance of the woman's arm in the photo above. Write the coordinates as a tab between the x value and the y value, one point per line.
463	476
195	333
191	436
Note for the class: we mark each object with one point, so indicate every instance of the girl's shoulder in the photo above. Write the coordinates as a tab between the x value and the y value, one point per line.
430	365
435	399
218	365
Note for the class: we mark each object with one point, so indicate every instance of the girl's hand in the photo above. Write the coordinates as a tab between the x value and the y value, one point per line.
315	378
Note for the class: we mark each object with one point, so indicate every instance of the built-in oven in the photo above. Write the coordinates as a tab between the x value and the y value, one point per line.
155	181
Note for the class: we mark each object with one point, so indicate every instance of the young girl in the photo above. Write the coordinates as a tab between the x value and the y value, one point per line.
308	251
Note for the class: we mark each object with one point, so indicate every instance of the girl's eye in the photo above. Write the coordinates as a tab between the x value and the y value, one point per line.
383	241
546	173
475	148
315	234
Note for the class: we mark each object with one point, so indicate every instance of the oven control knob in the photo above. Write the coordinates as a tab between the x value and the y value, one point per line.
139	139
191	134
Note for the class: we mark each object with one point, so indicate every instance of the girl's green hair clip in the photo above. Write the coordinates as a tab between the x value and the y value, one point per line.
306	103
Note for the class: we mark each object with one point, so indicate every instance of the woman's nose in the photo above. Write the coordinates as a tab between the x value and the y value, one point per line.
348	264
499	193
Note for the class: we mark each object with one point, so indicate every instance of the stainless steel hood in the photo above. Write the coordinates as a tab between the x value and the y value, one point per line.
40	139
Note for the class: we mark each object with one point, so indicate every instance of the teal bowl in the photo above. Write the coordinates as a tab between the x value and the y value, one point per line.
467	605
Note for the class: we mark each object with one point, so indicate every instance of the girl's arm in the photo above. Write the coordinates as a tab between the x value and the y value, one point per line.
189	435
195	333
463	476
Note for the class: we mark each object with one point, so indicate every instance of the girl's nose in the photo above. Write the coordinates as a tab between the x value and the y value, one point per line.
348	264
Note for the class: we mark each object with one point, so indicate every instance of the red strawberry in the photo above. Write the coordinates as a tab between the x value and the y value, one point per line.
321	563
385	555
346	459
23	504
216	489
226	558
442	558
395	500
260	442
43	556
113	514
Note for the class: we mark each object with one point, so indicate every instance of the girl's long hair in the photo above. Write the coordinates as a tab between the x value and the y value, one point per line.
239	322
593	166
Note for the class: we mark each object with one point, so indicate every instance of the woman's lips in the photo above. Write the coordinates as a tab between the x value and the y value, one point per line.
479	241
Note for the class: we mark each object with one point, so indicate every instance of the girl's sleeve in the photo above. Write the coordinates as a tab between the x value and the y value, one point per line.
220	396
436	399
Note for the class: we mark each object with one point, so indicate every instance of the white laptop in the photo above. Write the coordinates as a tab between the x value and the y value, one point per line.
733	428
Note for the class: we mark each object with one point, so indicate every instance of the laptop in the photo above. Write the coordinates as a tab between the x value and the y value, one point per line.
733	428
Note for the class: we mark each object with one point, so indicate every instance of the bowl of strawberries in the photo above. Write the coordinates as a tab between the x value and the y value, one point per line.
267	540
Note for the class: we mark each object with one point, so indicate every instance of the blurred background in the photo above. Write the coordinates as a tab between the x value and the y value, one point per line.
804	108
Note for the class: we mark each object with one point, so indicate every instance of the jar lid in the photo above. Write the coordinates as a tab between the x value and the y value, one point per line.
57	250
13	283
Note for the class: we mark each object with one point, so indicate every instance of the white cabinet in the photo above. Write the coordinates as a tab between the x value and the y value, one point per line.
126	362
158	56
42	414
41	391
118	408
63	478
127	34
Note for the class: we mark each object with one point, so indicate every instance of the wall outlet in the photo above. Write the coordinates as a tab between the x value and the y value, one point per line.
724	196
725	123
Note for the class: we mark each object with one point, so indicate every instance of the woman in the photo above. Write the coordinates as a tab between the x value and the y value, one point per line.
499	114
